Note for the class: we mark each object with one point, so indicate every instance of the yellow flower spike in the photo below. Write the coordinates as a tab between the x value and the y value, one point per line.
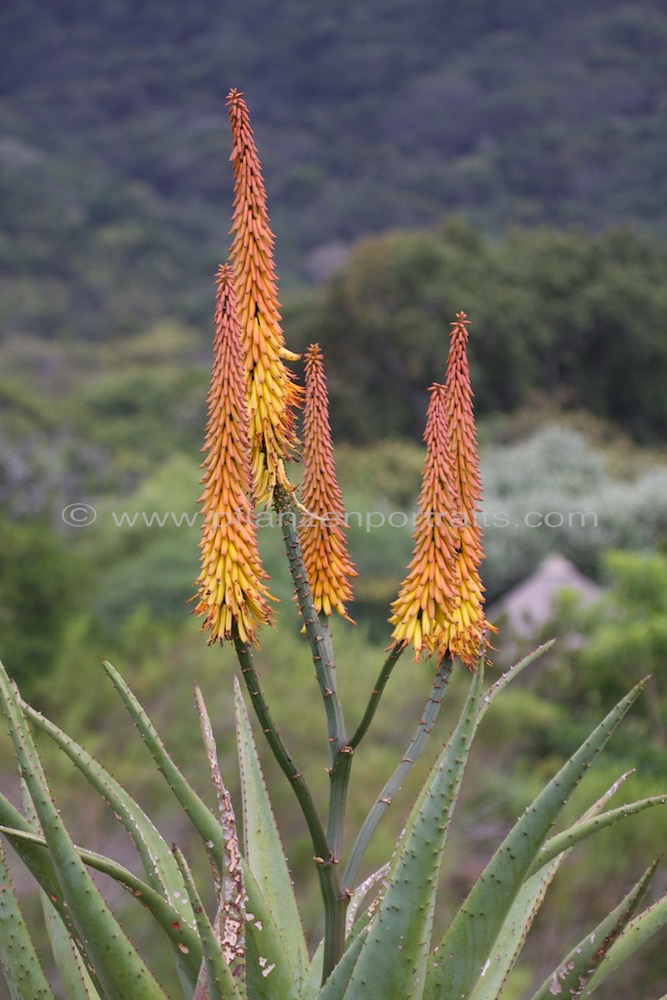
271	392
464	634
429	596
229	587
440	607
321	533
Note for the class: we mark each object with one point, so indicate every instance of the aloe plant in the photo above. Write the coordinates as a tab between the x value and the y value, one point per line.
379	930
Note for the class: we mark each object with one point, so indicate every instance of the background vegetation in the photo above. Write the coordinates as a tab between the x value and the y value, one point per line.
506	159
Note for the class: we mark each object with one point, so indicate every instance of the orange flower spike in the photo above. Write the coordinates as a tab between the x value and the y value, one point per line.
229	587
271	391
428	596
323	542
464	636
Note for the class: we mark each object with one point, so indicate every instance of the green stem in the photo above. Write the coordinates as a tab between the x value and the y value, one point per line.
339	750
376	693
317	630
278	748
384	799
334	898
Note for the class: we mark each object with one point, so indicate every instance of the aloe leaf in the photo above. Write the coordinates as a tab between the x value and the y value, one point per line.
264	851
75	977
473	931
36	860
120	970
511	939
263	939
337	983
638	931
362	891
586	827
183	937
512	936
394	956
73	973
204	821
268	972
577	968
161	870
231	910
312	981
221	984
18	958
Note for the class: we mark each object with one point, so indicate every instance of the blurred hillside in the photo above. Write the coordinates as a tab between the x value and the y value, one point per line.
113	140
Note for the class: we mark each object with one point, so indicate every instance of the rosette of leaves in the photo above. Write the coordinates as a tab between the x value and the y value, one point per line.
252	945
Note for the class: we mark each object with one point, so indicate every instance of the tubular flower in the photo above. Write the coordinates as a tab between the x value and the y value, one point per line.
464	635
229	587
428	596
270	388
322	538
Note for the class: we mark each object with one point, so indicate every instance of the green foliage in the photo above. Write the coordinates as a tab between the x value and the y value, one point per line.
556	492
551	312
391	942
626	634
38	584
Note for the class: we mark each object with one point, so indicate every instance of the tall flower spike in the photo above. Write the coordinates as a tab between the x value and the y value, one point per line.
464	635
428	596
271	391
323	542
229	587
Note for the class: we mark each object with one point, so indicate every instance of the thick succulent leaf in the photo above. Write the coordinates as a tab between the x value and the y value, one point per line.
394	956
120	970
18	958
337	984
513	933
231	888
586	827
511	939
264	851
577	968
638	931
75	977
471	935
268	973
313	979
268	970
263	938
362	890
73	973
221	983
161	870
204	821
183	937
36	859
